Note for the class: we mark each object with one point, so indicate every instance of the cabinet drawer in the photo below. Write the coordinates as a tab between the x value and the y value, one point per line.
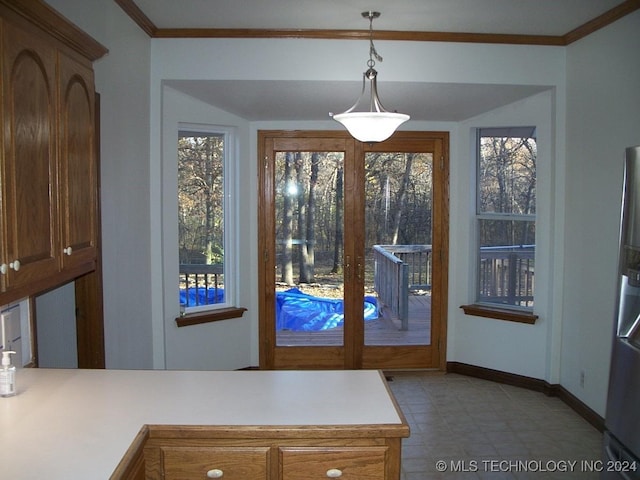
348	463
228	463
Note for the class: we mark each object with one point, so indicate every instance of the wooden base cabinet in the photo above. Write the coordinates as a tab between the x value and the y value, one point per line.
231	463
309	463
357	452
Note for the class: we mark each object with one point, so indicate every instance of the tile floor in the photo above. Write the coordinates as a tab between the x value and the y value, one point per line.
485	430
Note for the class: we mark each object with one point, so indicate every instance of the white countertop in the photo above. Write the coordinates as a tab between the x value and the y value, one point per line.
68	424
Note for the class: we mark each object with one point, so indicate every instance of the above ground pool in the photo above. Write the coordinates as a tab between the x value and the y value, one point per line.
201	296
295	310
298	311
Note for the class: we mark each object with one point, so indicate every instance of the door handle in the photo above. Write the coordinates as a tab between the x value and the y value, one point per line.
347	268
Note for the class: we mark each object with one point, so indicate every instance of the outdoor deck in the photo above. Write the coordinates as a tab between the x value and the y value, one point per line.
383	331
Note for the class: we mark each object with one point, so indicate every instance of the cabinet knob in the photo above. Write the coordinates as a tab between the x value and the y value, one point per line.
67	251
15	265
3	268
334	473
215	473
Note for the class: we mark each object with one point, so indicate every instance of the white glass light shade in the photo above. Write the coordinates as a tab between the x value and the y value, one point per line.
371	127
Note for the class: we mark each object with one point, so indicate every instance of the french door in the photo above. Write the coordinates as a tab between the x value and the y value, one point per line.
353	250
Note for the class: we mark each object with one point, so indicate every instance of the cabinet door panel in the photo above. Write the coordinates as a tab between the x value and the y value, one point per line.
29	176
77	163
348	463
233	463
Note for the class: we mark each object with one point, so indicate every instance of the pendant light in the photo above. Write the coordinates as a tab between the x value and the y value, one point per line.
376	124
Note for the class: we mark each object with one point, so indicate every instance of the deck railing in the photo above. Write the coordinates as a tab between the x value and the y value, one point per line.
418	260
506	275
201	284
399	269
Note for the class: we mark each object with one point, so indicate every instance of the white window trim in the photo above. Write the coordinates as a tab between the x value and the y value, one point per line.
502	131
230	211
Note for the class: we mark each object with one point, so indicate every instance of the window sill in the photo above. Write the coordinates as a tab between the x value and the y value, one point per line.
211	316
500	313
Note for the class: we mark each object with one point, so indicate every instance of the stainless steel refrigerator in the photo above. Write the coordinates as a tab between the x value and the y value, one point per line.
622	422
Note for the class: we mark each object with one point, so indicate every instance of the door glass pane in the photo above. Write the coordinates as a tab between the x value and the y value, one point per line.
398	219
309	198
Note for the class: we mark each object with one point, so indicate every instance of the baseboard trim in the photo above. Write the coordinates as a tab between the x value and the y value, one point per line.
552	390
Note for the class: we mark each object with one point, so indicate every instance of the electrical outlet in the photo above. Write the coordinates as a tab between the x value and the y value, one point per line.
582	378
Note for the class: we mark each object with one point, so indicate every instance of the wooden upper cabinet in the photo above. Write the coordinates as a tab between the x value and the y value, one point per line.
29	171
78	175
48	157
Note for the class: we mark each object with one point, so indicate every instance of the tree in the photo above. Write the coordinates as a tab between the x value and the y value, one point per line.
287	222
338	212
401	200
201	198
507	176
398	198
309	247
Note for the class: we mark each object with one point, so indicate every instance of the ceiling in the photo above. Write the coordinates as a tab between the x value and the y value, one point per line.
536	17
308	100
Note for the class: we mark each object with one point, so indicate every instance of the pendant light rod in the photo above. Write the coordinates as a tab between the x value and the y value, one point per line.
372	49
376	124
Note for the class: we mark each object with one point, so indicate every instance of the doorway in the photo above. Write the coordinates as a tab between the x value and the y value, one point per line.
353	244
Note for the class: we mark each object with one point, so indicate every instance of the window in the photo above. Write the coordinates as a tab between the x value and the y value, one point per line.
205	217
506	217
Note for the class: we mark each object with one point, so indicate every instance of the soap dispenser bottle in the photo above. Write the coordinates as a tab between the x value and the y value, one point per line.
7	375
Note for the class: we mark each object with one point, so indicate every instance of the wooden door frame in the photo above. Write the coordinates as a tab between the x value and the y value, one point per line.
349	355
397	356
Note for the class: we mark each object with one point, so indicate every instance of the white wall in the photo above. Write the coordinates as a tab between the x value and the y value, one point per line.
224	345
56	328
122	79
603	117
507	346
248	59
597	104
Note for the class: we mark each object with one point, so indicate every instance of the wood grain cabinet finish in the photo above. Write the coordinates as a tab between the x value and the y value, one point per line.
228	463
29	172
349	463
77	164
293	463
311	452
48	160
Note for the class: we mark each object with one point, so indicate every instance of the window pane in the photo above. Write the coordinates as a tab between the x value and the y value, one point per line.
506	207
507	262
506	174
201	218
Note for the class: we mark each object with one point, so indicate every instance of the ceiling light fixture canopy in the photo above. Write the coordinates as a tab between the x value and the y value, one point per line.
376	124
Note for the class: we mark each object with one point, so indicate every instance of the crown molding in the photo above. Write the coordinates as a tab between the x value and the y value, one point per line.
138	16
38	13
608	17
411	36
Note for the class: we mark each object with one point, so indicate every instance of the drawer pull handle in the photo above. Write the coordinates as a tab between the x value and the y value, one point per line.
215	473
334	473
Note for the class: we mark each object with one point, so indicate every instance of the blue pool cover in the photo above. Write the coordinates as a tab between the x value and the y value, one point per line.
299	311
201	296
295	310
